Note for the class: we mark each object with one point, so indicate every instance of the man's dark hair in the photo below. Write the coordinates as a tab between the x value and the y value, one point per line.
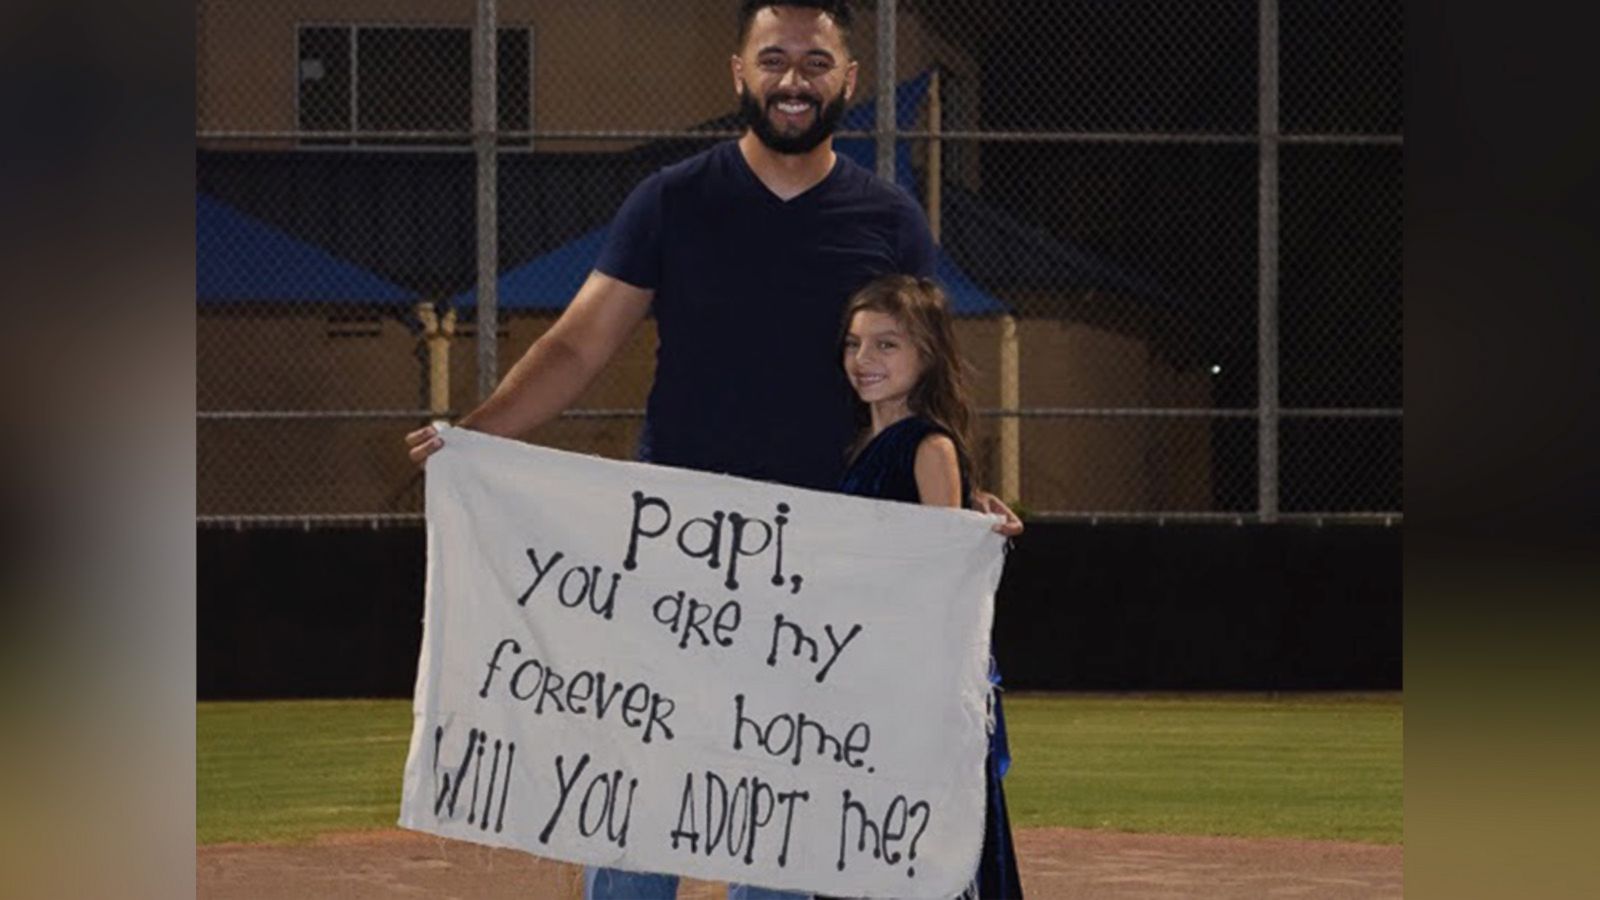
837	10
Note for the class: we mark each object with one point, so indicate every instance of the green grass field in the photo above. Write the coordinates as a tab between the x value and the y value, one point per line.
1292	766
1297	766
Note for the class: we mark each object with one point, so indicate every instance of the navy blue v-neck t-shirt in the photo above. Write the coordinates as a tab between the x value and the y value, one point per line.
749	294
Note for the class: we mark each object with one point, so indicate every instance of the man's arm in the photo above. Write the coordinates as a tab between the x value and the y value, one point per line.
557	368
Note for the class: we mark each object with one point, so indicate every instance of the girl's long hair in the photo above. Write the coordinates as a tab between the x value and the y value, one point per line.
941	395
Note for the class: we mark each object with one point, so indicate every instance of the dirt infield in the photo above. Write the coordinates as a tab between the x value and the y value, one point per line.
1056	863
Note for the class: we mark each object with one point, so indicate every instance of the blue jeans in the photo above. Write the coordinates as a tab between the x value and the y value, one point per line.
615	884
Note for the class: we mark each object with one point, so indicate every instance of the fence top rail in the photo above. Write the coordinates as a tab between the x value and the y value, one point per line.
649	134
1179	517
1059	412
251	415
1159	412
309	521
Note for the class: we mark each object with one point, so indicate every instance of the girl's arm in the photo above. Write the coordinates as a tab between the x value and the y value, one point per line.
937	472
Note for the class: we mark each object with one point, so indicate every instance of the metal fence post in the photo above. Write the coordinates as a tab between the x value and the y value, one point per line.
437	332
934	201
485	120
1011	402
1267	268
887	125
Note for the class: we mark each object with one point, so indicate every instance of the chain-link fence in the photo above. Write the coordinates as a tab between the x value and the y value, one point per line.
1172	233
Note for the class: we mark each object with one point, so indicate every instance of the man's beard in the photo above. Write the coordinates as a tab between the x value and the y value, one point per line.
823	123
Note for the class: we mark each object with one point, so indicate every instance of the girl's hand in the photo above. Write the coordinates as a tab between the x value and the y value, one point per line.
985	502
423	443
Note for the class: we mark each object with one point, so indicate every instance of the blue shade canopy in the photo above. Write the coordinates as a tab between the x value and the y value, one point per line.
863	116
340	248
239	259
966	298
548	282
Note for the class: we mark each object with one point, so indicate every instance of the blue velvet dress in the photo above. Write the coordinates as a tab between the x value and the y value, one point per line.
886	469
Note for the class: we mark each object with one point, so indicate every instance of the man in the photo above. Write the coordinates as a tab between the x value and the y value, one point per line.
746	253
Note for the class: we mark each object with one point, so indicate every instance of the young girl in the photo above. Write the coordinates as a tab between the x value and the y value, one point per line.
900	355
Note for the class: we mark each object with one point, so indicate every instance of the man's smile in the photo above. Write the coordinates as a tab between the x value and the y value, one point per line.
793	107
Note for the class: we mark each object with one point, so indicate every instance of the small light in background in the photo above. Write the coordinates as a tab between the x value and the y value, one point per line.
1216	369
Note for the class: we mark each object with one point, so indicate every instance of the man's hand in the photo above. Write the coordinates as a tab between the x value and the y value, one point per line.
985	502
423	443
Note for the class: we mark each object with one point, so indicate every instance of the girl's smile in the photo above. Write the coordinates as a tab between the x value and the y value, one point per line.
881	362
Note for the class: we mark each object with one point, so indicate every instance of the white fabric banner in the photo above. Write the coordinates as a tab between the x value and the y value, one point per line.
661	670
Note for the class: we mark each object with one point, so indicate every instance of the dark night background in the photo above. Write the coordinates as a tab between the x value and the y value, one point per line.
1284	607
1178	216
